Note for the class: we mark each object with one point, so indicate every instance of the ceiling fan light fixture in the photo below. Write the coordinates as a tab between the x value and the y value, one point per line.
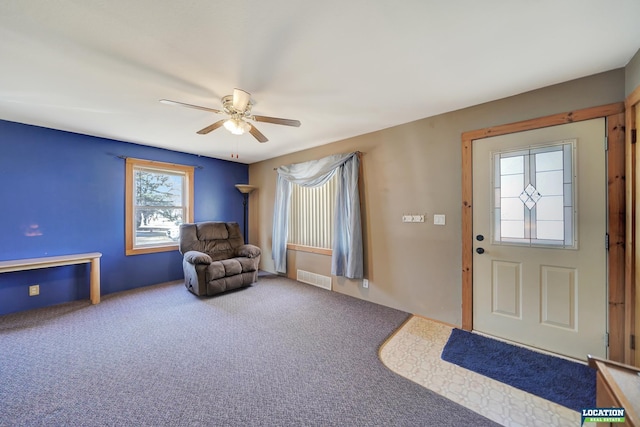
237	126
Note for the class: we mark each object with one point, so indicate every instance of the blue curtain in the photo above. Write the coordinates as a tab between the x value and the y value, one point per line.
347	259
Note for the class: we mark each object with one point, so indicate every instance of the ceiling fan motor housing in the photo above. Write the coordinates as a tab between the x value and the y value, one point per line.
229	108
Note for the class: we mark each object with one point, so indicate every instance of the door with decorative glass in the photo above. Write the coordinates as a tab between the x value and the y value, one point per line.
539	267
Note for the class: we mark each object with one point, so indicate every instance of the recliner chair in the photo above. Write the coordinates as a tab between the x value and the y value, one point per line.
215	258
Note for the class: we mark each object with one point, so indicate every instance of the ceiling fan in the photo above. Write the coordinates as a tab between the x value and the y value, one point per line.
238	108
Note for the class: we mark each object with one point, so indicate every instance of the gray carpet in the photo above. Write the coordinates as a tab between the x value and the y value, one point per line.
279	353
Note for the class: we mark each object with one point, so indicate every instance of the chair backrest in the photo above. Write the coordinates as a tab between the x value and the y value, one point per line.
219	240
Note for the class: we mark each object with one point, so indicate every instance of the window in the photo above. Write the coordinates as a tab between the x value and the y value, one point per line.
159	197
311	218
534	196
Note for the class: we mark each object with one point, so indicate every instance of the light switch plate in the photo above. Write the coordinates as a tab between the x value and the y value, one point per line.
439	219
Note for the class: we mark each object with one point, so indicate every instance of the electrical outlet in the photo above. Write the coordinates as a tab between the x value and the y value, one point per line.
34	290
413	218
365	283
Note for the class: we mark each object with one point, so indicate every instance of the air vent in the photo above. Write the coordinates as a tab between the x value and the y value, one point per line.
314	279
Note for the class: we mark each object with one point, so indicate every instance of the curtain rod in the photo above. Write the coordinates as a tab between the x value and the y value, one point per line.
358	153
157	161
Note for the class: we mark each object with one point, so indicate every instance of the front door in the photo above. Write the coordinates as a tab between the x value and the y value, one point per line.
539	224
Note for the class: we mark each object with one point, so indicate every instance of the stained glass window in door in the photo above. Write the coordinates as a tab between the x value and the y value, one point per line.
533	196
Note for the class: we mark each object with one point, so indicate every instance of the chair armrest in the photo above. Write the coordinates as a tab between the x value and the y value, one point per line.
248	251
196	257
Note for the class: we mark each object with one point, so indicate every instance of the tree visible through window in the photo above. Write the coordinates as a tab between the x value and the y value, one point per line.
159	199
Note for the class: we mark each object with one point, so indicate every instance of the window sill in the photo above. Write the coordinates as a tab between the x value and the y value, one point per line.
310	249
151	249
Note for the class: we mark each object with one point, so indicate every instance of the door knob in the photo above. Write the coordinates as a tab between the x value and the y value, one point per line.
480	251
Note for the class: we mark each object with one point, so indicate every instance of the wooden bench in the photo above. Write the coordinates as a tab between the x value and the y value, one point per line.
56	261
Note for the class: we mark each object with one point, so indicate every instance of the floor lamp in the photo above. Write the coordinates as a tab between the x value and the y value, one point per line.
245	190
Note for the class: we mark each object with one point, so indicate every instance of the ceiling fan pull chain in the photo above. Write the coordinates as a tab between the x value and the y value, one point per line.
236	155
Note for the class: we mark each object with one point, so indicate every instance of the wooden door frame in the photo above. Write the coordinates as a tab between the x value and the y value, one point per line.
616	211
632	276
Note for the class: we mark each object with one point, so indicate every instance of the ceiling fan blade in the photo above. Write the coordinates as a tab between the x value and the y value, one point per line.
197	107
210	128
277	121
241	99
257	134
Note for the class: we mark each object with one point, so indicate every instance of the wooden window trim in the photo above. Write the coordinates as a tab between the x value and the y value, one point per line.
310	249
131	164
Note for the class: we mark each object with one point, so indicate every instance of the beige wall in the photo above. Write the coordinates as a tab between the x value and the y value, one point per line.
415	168
632	74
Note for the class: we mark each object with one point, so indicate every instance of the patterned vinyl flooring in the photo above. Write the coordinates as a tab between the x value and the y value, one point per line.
414	352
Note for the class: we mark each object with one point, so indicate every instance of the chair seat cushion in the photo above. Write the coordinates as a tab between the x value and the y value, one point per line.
231	266
215	270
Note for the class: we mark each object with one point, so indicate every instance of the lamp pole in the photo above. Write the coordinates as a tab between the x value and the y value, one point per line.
245	190
245	197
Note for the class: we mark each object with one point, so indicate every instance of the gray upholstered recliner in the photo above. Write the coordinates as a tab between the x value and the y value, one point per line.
216	258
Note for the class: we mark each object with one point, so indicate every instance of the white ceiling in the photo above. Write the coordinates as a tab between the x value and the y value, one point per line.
341	67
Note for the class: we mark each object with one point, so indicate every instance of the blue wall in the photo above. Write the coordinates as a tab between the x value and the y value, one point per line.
63	193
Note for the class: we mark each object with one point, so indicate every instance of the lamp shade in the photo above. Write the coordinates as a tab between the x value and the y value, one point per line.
245	188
